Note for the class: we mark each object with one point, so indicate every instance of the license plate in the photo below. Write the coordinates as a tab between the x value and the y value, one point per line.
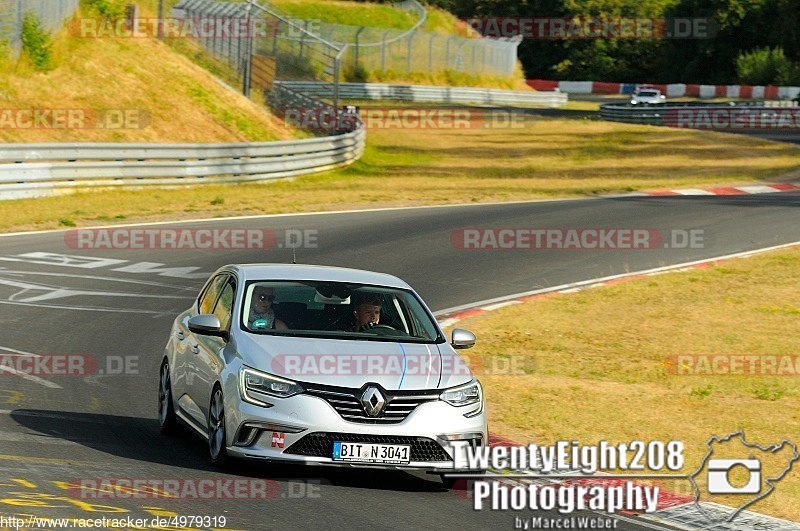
371	453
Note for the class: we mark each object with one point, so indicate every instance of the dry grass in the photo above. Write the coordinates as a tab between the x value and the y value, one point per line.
176	100
406	167
592	379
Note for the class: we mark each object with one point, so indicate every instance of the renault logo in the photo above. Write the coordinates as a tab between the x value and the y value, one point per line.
373	401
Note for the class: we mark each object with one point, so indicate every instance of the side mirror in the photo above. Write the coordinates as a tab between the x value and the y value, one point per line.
207	325
462	338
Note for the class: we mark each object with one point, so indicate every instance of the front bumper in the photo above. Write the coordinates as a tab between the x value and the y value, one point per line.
300	429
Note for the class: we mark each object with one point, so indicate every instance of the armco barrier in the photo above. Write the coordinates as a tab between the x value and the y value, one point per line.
750	115
431	94
30	170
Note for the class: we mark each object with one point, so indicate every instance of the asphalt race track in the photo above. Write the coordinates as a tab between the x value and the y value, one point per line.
117	306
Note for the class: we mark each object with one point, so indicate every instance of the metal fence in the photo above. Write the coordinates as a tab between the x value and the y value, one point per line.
418	51
267	45
261	44
52	14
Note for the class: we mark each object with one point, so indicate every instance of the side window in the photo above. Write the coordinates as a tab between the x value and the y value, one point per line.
225	304
210	296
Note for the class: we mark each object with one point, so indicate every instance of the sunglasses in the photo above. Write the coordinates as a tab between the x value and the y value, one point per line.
263	297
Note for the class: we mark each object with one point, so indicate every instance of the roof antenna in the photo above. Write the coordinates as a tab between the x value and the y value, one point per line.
294	255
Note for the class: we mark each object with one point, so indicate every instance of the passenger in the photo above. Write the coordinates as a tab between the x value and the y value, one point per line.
262	315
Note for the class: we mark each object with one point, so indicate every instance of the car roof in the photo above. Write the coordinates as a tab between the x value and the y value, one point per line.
248	272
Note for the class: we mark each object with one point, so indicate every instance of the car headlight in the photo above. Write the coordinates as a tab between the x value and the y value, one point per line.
463	395
256	385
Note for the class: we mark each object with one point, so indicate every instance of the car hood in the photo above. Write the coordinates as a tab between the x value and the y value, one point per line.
350	363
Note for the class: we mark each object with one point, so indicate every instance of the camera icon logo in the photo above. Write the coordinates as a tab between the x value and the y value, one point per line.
719	476
752	478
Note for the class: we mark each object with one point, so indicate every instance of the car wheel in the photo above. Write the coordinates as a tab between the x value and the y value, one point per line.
217	439
167	420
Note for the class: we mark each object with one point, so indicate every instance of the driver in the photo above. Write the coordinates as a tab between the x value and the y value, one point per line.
262	315
367	312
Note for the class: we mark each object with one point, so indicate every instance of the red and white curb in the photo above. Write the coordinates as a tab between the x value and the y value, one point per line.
726	190
450	316
675	90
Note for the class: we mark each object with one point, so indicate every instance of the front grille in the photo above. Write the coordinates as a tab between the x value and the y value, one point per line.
347	402
320	444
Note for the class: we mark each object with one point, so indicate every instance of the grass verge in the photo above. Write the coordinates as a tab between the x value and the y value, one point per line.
405	167
614	378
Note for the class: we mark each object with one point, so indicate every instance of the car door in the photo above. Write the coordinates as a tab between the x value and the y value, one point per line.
188	347
208	358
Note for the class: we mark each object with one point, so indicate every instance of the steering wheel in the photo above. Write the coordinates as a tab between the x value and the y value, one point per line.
372	326
382	330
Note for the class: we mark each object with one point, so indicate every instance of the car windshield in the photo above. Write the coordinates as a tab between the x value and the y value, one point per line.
648	94
336	310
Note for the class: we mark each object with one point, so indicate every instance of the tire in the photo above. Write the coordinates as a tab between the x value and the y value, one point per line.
451	483
217	437
460	483
167	421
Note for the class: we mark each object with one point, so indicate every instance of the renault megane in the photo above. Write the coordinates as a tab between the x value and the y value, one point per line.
319	365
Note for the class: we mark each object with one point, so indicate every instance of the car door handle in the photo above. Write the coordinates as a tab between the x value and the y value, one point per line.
196	349
181	335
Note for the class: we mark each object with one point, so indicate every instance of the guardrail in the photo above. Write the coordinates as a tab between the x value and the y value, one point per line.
30	170
738	115
430	94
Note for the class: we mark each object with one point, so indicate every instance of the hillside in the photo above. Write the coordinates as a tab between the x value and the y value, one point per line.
126	89
370	14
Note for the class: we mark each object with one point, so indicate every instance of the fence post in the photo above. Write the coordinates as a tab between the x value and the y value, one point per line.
275	38
410	44
18	5
358	33
160	30
303	39
337	61
248	61
430	53
383	49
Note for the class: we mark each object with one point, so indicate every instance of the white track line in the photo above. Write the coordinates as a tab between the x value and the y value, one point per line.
572	286
29	377
315	213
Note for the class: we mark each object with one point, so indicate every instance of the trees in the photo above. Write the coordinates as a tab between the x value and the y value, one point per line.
738	30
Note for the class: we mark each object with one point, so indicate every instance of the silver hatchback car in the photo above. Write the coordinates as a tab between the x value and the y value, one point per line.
319	365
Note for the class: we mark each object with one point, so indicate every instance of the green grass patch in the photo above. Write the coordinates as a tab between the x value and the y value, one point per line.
348	13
